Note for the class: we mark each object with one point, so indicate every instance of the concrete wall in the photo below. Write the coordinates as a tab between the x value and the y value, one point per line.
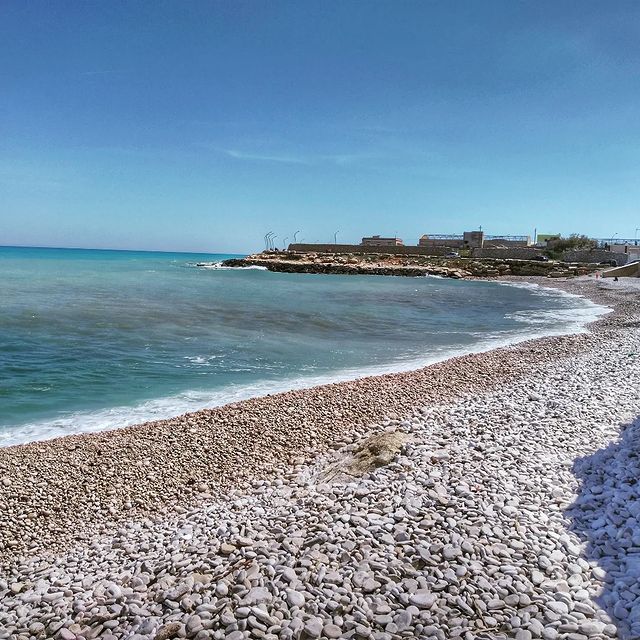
595	256
377	241
527	253
632	250
359	249
491	244
439	242
514	253
628	271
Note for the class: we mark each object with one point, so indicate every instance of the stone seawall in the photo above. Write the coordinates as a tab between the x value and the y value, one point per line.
596	256
507	253
528	253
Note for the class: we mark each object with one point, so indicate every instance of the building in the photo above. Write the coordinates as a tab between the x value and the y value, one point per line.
506	242
543	239
377	241
441	240
473	239
632	250
468	240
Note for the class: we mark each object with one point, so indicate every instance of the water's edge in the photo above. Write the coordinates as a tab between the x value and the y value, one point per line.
187	402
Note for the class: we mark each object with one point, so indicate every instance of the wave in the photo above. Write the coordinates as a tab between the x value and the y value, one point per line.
574	318
218	266
569	321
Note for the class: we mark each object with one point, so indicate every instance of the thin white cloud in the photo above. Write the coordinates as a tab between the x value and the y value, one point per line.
341	159
286	159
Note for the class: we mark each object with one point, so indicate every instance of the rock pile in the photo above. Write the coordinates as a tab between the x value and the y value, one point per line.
407	265
332	264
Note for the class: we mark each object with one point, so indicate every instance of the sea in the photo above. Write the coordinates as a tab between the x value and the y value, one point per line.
93	340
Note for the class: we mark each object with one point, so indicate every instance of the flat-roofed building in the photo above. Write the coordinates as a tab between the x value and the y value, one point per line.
378	241
507	242
441	240
543	239
631	249
473	239
469	239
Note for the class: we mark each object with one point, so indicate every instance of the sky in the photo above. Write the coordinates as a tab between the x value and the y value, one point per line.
201	126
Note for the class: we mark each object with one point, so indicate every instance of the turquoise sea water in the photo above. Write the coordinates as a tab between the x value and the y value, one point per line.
92	340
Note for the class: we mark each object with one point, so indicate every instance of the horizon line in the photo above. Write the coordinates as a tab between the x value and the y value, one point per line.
24	246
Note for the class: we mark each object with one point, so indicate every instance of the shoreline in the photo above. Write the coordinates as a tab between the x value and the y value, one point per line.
193	508
235	396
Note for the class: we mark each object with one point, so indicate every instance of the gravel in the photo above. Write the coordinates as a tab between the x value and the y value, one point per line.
511	509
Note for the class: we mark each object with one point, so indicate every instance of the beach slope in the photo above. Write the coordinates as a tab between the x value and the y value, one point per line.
281	517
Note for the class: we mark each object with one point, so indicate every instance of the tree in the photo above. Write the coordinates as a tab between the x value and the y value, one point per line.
575	242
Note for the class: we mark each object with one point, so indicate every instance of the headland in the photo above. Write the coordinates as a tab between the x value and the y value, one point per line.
377	262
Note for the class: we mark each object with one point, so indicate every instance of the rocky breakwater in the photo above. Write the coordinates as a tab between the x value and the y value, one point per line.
503	511
407	265
382	265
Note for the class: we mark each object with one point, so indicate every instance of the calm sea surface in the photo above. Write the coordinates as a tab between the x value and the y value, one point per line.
92	340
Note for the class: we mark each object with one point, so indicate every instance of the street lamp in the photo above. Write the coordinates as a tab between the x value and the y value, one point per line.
294	237
335	237
270	237
284	243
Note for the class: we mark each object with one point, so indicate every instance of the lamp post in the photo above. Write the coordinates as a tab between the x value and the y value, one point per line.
284	243
335	237
294	237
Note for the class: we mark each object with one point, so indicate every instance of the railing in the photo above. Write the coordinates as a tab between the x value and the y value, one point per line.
513	238
444	236
460	236
635	242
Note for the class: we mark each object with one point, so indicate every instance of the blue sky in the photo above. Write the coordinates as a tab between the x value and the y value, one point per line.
203	125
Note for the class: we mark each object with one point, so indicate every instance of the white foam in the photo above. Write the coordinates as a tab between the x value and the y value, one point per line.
218	266
573	320
202	360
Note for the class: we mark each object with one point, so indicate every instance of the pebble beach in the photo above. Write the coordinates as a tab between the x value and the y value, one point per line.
489	496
